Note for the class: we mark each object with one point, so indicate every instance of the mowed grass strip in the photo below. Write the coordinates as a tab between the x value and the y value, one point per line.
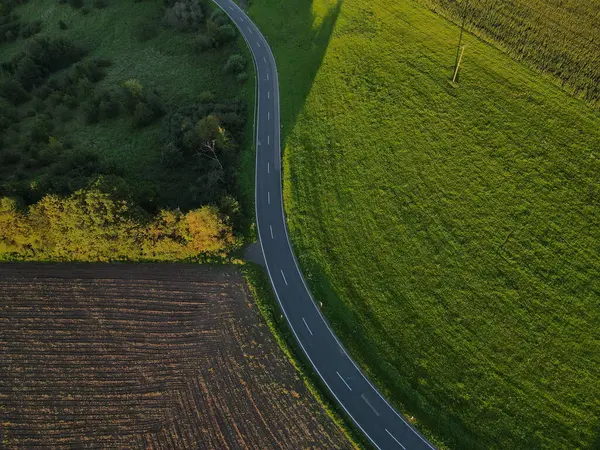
452	233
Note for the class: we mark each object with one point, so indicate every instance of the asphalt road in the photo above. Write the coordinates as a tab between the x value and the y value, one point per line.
382	424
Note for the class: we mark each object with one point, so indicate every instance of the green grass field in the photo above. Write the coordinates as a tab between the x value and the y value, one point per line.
452	232
166	62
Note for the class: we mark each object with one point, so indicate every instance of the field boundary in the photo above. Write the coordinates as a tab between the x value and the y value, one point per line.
269	308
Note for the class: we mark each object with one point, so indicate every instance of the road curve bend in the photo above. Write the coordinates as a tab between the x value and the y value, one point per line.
363	403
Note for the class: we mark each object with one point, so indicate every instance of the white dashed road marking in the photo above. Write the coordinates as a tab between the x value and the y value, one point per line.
397	442
249	29
269	197
309	330
284	280
271	228
268	167
368	403
342	378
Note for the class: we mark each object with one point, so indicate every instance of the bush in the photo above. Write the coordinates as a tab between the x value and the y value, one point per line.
235	64
185	15
219	17
145	31
30	29
76	3
85	10
99	4
242	77
206	97
13	91
225	33
143	115
202	43
62	25
102	62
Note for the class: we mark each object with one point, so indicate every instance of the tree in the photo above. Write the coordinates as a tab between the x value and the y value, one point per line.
208	129
185	15
207	231
235	64
13	91
143	115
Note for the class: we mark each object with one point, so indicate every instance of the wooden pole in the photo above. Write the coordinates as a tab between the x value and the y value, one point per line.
462	28
462	50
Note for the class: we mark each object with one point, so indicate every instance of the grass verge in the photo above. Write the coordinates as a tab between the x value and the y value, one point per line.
262	292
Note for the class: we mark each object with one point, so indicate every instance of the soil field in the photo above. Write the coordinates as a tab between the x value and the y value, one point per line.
146	356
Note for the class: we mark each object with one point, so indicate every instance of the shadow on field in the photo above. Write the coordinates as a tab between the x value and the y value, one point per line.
299	39
596	441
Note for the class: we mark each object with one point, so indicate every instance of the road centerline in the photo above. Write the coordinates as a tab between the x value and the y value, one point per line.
342	378
369	404
397	441
283	275
309	330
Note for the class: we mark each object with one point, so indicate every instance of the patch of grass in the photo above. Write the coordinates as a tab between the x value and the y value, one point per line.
452	232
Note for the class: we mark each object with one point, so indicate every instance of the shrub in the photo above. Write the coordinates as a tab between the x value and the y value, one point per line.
206	97
13	91
219	17
102	62
85	10
225	33
99	4
91	112
202	43
76	3
30	29
235	64
242	77
143	115
185	15
145	31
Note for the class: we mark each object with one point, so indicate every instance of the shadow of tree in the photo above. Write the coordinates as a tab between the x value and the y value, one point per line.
299	45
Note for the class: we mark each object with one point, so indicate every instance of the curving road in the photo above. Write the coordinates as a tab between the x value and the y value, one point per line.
380	423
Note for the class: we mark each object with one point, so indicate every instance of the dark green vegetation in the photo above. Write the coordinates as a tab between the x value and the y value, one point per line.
558	37
137	100
451	232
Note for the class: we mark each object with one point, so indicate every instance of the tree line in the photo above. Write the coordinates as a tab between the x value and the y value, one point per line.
91	225
61	201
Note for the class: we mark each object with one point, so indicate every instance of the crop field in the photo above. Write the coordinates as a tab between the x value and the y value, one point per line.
452	232
561	38
146	356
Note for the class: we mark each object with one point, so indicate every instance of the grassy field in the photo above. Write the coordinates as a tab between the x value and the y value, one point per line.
146	356
166	62
452	232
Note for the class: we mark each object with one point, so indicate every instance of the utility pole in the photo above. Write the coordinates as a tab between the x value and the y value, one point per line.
458	48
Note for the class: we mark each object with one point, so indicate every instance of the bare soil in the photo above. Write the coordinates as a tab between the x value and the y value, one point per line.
146	356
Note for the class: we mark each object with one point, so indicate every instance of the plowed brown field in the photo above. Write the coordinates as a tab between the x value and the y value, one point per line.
146	356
